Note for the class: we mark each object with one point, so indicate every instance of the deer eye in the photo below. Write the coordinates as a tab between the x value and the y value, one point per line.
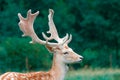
66	53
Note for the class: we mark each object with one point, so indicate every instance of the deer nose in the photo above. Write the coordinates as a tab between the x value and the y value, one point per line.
81	57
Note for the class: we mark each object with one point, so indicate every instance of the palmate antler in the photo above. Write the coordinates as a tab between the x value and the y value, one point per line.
26	26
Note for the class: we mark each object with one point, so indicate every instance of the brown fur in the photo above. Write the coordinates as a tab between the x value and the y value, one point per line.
54	74
27	76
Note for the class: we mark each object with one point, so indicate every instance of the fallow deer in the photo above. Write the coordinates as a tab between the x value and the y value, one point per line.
62	54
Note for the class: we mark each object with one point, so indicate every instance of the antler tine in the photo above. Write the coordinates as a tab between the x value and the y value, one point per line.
20	17
70	38
53	30
26	26
65	38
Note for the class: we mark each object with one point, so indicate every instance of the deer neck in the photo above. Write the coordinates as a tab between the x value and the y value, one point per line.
59	68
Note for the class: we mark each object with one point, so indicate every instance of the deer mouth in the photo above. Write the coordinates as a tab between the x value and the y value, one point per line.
79	60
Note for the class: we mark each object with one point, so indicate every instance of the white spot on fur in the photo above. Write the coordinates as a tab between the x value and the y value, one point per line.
12	79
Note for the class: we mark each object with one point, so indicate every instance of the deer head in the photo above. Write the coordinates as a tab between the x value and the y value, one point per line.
59	48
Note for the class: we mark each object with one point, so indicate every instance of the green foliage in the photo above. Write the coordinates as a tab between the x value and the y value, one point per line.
18	54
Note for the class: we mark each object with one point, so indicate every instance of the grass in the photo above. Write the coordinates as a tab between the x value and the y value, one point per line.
94	74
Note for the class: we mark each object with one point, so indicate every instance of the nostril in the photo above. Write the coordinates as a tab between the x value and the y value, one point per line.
81	57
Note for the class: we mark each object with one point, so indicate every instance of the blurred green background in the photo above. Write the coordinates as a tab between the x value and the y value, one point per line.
94	24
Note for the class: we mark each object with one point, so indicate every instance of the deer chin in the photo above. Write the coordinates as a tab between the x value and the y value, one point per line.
78	61
72	61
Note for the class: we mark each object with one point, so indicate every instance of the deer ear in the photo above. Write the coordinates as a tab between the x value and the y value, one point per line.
50	48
